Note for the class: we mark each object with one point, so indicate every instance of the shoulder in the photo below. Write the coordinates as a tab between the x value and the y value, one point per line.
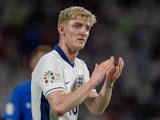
22	86
51	57
19	90
50	61
80	62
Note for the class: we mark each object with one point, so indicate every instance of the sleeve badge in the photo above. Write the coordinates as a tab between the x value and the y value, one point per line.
48	77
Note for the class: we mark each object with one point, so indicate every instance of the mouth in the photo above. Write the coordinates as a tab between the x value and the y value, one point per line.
81	40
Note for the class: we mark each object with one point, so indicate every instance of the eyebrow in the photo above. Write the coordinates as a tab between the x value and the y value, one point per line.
79	23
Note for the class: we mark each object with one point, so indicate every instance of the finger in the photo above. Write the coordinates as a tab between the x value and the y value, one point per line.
106	64
121	62
111	73
117	72
96	66
112	59
110	63
119	69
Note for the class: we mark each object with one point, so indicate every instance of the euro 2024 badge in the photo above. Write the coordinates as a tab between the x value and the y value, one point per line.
48	77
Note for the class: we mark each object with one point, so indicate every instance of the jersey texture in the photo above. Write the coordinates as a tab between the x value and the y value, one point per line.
54	72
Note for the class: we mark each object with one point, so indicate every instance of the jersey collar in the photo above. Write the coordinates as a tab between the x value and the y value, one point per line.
62	54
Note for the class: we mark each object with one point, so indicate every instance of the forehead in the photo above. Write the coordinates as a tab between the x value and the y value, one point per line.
80	20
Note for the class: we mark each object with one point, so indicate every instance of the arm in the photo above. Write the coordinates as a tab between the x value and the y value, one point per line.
62	102
97	103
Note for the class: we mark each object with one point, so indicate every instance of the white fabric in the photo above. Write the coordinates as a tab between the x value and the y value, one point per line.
53	73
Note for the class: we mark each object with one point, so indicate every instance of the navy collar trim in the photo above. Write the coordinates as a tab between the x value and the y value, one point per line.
62	54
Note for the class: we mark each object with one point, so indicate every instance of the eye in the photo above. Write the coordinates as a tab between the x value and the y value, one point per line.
76	25
88	28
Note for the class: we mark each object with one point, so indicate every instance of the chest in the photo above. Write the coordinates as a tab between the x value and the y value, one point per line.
73	77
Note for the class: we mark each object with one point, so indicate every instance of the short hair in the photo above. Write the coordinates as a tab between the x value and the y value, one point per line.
75	12
40	49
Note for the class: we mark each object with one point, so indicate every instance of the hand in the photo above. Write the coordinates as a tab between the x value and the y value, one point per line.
100	71
113	72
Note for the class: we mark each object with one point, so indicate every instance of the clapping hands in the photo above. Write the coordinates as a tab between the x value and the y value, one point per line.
113	72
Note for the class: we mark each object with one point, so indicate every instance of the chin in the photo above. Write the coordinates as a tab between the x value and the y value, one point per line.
81	46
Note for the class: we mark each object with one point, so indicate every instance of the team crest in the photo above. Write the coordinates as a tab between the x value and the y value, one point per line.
48	77
80	80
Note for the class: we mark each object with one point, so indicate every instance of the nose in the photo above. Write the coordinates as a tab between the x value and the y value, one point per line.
84	32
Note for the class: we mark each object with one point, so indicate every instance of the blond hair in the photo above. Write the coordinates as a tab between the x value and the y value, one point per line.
75	12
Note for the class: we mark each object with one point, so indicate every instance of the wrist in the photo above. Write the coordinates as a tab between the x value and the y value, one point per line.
92	84
109	85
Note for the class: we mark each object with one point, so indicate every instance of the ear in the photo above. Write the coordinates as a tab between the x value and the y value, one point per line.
31	65
61	29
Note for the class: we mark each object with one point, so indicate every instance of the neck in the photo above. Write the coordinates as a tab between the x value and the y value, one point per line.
70	53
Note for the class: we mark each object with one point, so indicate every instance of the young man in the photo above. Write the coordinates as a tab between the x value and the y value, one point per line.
64	79
19	104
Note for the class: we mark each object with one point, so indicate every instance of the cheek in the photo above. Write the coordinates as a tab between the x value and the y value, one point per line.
70	33
87	34
73	35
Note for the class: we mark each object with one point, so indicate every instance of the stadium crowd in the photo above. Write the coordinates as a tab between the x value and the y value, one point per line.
127	28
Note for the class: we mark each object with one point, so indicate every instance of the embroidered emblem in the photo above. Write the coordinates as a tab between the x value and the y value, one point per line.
80	80
48	77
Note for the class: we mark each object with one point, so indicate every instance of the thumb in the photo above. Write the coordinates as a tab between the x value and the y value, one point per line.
96	65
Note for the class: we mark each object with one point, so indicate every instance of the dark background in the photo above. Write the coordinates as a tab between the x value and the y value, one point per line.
126	28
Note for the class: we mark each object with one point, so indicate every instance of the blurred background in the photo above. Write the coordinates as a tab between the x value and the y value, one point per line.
126	28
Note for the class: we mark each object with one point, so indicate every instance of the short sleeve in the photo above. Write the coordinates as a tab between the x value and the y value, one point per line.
51	76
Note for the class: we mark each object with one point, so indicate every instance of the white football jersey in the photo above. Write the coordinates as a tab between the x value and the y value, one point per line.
54	72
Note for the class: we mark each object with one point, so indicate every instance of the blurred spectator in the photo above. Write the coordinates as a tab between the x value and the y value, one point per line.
19	104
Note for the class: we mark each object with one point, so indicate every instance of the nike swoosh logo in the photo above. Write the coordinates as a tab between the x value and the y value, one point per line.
67	82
